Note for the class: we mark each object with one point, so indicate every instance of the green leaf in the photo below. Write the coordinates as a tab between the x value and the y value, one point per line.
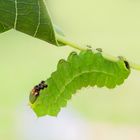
79	70
27	16
4	28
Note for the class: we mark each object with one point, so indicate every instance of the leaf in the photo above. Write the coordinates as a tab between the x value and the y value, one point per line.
4	28
80	70
27	16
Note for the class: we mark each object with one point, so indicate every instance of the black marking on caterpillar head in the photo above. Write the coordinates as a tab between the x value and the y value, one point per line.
127	64
36	90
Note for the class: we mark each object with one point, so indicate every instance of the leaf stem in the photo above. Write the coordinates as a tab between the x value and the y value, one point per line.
81	48
70	43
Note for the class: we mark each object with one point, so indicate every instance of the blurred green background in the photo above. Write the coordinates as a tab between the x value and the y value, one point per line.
112	25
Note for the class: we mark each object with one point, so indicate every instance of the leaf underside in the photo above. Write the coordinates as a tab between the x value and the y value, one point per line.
79	70
27	16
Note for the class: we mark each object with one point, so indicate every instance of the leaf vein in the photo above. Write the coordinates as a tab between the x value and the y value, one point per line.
35	33
16	14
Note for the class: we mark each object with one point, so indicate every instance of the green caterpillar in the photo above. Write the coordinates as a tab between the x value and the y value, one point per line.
79	70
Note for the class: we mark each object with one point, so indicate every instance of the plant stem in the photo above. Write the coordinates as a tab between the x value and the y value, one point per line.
81	48
70	43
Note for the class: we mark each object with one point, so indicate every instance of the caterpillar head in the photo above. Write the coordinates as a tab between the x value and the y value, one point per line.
125	62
